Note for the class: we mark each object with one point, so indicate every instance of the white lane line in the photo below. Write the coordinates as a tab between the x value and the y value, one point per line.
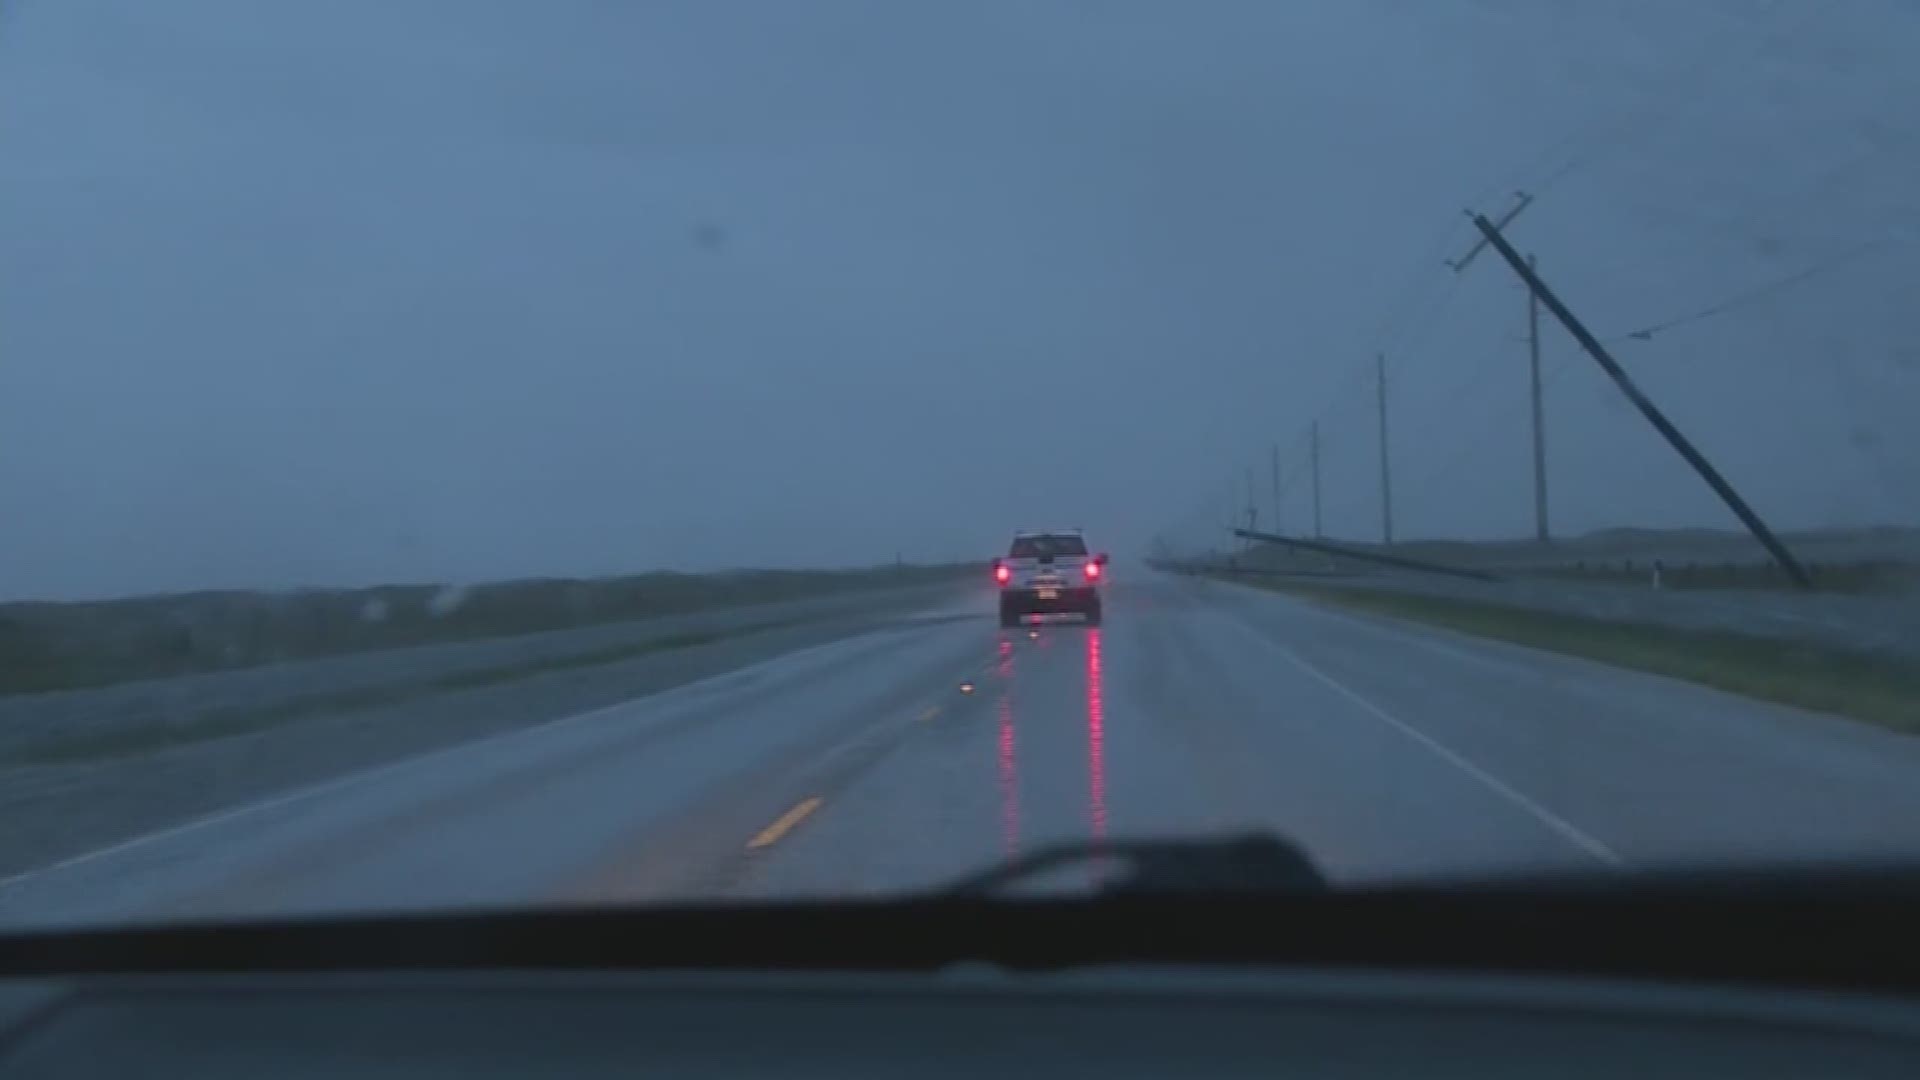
665	700
1566	829
1508	658
1423	636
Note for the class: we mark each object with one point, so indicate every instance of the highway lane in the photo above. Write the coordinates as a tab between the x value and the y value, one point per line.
911	755
87	769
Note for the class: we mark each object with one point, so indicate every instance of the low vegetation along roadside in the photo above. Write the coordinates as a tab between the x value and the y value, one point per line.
61	645
132	740
1877	689
1865	578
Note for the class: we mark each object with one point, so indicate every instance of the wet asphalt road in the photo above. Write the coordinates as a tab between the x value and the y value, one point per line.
906	757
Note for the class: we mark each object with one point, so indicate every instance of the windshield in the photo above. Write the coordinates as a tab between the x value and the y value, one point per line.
506	453
1035	547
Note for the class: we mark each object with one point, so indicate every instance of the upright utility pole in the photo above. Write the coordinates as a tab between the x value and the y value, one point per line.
1276	487
1540	531
1521	200
1386	473
1648	409
1313	455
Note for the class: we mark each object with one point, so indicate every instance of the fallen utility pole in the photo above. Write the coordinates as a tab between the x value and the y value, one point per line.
1647	408
1363	555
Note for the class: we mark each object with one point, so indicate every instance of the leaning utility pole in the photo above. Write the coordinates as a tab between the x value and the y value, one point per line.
1386	474
1540	531
1647	408
1521	200
1313	455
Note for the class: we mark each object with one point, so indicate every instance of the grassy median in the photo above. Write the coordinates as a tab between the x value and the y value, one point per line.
1879	689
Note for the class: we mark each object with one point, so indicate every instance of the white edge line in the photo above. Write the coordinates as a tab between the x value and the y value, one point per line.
348	780
1566	829
1509	658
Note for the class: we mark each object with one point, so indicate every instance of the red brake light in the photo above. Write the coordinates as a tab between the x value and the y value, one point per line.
1002	572
1092	568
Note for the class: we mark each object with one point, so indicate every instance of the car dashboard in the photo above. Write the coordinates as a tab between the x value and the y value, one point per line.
963	1022
1734	975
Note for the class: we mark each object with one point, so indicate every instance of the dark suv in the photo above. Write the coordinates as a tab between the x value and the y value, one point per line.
1049	572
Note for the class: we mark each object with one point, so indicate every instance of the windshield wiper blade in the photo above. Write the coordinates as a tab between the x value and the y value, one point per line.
1258	863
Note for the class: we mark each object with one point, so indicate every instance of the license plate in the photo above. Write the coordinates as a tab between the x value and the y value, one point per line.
1049	594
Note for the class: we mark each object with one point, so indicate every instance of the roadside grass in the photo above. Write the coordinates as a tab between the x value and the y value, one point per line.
129	741
1858	578
49	646
1878	689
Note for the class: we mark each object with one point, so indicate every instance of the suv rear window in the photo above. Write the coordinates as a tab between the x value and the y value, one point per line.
1039	547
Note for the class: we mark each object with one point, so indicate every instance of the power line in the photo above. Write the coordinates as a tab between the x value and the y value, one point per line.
1468	390
1691	77
1490	364
1819	186
1673	435
1293	474
1750	296
1416	313
1409	321
1417	308
1410	340
1393	322
1894	478
1764	208
1410	334
1499	422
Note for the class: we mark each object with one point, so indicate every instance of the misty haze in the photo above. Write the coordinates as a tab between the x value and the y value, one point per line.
475	458
366	291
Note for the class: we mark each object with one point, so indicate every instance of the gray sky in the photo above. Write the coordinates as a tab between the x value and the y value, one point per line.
302	292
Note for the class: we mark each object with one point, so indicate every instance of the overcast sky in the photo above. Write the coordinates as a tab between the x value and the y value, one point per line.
304	292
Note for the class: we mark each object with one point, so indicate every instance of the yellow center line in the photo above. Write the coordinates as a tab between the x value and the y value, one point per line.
771	834
931	712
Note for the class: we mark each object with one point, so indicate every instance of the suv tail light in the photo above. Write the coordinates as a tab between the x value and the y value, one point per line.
1092	568
1002	573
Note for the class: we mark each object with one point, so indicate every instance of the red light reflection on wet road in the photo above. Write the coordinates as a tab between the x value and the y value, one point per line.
1096	739
1008	757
